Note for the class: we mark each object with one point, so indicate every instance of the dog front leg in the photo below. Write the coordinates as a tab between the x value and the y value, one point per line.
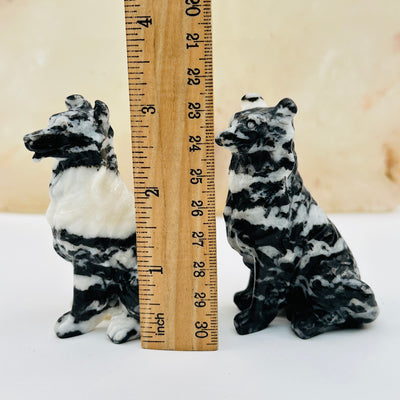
90	304
243	298
125	323
269	289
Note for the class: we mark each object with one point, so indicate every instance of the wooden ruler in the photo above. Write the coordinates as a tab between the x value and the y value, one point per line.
169	48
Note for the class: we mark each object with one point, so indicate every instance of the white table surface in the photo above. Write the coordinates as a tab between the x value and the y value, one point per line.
36	288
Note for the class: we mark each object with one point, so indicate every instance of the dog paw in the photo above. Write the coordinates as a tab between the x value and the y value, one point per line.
123	328
249	321
306	326
66	327
243	299
69	325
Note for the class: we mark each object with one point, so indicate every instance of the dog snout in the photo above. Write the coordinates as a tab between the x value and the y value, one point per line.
30	138
219	139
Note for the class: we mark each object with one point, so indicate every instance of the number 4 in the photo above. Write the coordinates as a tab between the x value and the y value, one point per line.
145	21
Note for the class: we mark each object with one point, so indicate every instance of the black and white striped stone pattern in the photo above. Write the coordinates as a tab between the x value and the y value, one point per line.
92	217
298	260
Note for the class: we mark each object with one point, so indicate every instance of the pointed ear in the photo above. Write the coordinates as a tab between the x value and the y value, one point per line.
287	108
101	115
252	100
76	101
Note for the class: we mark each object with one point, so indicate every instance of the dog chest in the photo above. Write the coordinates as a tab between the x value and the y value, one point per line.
91	203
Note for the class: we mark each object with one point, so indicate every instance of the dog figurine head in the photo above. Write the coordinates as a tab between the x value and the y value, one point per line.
258	127
79	129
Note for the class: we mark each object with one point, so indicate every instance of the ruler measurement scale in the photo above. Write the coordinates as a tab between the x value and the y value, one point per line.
171	102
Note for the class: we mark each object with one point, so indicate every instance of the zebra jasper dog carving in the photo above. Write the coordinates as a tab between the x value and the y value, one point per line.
92	217
297	259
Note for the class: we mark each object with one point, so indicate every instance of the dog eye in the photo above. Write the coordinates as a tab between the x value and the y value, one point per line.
251	124
63	126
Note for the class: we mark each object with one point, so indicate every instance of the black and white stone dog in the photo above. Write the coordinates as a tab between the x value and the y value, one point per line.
92	218
297	258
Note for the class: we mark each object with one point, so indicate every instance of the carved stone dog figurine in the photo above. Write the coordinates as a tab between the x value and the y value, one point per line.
297	258
92	218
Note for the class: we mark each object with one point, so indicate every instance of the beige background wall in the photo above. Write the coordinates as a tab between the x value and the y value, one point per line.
339	61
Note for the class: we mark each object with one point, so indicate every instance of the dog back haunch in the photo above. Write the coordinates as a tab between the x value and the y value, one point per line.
92	217
296	256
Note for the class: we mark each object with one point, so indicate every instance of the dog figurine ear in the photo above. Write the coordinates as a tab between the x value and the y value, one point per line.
287	108
101	115
76	101
252	100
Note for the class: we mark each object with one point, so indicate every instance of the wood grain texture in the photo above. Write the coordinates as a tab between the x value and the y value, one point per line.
171	97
